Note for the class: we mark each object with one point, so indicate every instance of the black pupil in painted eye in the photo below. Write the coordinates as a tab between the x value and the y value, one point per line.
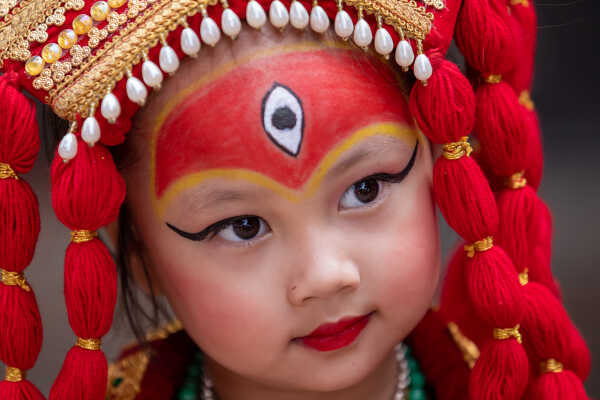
283	118
246	228
367	190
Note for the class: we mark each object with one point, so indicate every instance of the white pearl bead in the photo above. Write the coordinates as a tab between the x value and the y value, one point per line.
278	14
190	43
168	60
423	68
383	42
298	15
319	21
255	14
230	23
90	131
67	149
362	33
136	91
151	74
110	108
209	31
343	24
404	54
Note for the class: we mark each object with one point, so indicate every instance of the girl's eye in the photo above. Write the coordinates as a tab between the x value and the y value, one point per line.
243	229
361	193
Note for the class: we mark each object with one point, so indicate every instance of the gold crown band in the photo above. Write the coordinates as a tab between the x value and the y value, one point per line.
7	172
493	78
89	344
551	365
525	100
517	180
507	333
524	277
14	374
469	349
83	235
10	278
456	150
479	246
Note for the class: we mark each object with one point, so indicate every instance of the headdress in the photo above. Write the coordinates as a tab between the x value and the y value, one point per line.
93	62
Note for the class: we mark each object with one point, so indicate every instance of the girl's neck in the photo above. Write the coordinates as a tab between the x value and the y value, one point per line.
380	384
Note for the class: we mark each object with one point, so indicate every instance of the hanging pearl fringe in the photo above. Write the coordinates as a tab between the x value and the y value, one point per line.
256	17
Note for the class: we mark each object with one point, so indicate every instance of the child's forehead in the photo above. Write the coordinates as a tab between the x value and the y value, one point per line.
278	117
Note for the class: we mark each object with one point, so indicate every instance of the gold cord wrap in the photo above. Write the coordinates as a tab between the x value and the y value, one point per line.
14	374
507	333
551	365
83	235
469	349
7	172
517	180
479	246
456	150
89	344
524	3
10	278
525	100
524	277
493	78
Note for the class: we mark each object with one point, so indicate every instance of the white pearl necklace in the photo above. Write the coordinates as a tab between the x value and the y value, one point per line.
401	385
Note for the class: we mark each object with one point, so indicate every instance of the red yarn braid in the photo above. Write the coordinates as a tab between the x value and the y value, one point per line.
20	322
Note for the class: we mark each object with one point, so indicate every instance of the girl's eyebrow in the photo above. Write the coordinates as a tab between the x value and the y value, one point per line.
213	198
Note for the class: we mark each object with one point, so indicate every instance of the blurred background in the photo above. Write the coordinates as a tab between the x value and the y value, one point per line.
566	93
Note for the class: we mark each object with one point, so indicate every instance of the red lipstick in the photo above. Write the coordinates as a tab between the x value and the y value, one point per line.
336	335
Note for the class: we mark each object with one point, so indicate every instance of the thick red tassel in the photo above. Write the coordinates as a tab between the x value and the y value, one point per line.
23	390
450	94
82	377
556	386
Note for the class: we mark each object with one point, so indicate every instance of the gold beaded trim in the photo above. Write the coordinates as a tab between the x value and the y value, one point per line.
517	180
524	277
437	4
467	347
525	100
83	235
7	172
479	246
507	333
493	78
89	344
10	278
456	150
551	365
14	374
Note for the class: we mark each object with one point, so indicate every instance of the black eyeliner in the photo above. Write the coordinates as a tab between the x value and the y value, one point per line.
211	230
399	177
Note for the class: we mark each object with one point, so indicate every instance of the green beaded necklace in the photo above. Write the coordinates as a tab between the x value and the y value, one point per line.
192	390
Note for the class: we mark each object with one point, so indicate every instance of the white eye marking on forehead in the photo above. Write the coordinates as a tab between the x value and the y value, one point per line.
283	118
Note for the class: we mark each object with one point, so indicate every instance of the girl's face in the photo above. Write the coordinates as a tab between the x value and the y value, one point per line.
282	186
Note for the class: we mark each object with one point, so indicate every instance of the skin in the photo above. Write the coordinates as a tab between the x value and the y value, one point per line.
321	258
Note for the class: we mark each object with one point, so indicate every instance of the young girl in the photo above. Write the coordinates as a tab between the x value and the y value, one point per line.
281	192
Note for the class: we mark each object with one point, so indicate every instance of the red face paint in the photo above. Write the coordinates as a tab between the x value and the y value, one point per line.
222	125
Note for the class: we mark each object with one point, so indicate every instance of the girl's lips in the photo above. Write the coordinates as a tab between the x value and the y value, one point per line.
336	335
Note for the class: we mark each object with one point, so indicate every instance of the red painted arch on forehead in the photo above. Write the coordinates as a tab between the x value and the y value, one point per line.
220	124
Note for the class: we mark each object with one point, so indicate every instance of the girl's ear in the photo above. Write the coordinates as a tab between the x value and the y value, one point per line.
133	256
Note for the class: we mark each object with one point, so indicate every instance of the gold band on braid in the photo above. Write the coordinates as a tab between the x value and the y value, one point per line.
524	3
479	246
525	100
551	365
14	374
456	150
524	277
7	172
89	344
493	78
83	235
10	278
468	348
516	180
507	333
